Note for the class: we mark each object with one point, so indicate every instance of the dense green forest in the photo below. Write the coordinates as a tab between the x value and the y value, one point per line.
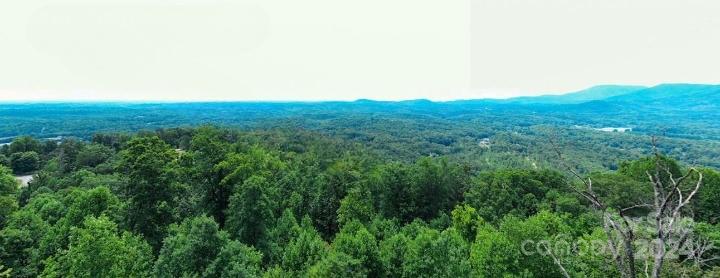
550	186
517	129
218	202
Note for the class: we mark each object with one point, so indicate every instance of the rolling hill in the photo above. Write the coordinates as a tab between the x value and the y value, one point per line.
590	94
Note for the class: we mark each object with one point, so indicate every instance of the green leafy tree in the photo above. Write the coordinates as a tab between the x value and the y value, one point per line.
48	206
24	162
49	146
67	154
77	205
493	254
396	191
286	229
111	140
150	188
97	250
357	205
190	248
20	239
355	240
333	186
706	205
235	260
94	202
305	250
620	191
338	264
392	254
466	220
638	169
8	205
250	212
383	228
24	144
237	168
4	160
8	194
424	190
546	230
276	272
593	258
515	192
208	147
435	254
432	187
93	155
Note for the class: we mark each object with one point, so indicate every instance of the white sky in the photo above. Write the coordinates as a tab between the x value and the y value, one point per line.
344	50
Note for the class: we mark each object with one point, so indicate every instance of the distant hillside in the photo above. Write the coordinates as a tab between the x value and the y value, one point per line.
677	110
594	93
675	96
667	91
611	99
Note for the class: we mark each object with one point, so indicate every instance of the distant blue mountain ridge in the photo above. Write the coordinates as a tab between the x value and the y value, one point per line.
678	94
593	93
672	96
680	110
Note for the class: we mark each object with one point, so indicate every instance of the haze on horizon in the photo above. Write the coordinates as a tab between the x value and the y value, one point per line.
344	50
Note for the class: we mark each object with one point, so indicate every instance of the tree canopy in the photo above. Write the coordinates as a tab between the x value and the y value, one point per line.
218	202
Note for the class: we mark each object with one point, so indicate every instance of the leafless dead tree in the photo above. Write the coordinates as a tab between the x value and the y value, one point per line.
696	251
670	197
667	212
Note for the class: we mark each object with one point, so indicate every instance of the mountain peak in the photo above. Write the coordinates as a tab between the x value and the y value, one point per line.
599	92
672	92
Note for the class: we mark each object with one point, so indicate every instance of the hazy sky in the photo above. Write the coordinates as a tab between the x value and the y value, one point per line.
344	50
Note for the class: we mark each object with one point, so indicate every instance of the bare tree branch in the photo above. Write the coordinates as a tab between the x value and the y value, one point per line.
668	203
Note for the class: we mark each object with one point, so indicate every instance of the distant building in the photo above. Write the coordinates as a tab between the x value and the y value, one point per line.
615	129
484	143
